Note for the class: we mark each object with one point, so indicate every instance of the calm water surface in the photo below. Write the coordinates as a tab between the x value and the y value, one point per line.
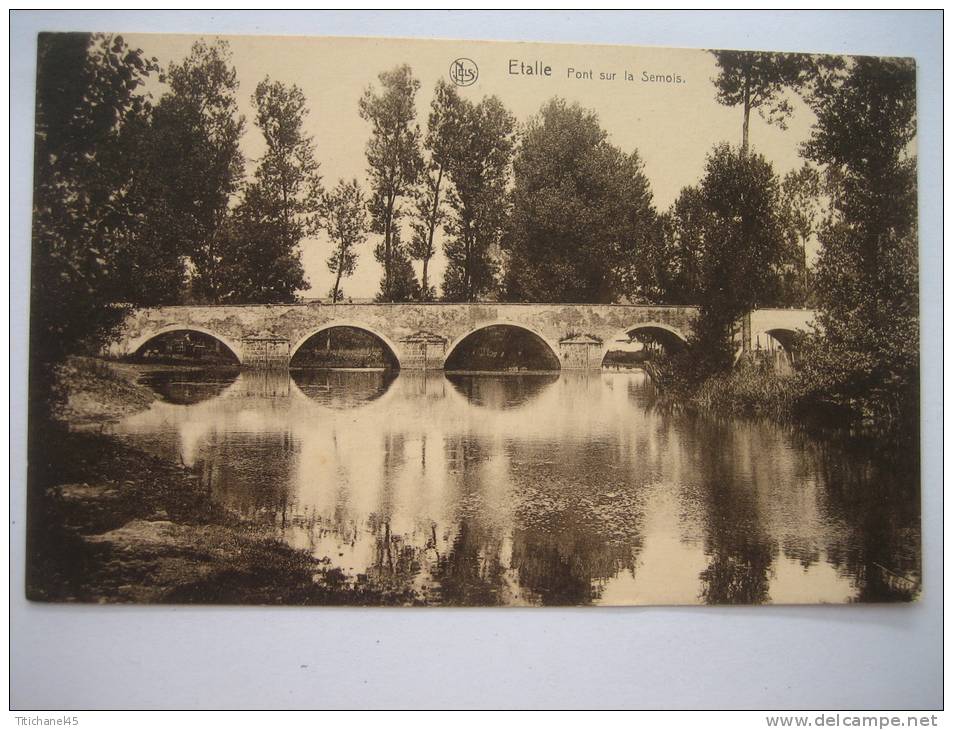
540	489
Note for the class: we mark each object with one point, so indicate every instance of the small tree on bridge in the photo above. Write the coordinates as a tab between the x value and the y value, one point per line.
403	285
429	198
344	217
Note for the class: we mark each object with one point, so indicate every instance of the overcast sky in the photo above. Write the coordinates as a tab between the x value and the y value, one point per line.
672	125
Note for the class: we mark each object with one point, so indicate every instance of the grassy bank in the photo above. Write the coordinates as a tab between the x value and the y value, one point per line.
92	391
753	389
748	390
110	523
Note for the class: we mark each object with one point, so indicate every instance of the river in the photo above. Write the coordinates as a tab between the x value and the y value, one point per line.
540	489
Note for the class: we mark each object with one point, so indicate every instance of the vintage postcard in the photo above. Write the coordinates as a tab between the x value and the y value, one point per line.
354	321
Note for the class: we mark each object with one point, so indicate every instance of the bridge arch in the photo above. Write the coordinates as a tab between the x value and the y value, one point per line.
786	338
550	345
346	324
139	342
671	339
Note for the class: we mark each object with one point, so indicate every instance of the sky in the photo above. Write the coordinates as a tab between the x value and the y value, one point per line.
672	125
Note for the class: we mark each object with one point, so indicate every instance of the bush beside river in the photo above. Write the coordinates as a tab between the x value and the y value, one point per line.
110	523
754	388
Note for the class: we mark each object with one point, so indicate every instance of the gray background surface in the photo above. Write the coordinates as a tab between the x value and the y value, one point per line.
861	657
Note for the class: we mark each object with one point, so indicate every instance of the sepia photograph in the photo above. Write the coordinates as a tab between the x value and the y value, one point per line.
341	321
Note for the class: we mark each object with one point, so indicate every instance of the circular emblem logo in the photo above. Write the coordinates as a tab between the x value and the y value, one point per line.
464	72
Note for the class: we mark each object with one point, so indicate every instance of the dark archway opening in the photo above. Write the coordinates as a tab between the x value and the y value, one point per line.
786	339
344	348
778	347
185	347
640	347
502	348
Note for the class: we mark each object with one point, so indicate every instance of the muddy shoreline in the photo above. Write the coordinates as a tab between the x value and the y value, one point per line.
109	523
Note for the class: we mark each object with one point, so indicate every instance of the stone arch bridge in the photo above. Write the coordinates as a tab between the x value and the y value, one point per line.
423	336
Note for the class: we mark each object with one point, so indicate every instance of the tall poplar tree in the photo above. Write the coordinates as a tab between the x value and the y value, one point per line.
430	197
480	164
759	80
394	163
867	270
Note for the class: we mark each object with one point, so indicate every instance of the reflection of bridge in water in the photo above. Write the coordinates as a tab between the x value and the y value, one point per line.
425	336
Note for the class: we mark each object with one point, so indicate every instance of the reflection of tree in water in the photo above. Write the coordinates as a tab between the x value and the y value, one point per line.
471	574
741	555
800	551
397	557
264	384
341	388
873	494
187	387
504	392
396	560
738	571
567	568
251	474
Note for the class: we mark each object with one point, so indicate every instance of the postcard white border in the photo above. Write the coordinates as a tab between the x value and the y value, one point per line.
870	657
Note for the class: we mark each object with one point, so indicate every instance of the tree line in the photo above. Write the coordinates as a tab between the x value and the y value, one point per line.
147	201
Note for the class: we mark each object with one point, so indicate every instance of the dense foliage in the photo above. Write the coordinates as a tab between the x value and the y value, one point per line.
728	245
261	259
581	211
194	164
85	251
867	278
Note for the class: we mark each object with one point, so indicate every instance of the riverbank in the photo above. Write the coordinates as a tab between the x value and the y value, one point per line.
748	390
754	391
110	523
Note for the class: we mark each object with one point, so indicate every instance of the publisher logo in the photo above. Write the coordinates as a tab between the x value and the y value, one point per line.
464	72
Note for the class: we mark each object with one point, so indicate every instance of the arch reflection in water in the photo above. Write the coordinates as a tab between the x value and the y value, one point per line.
501	392
342	389
185	387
